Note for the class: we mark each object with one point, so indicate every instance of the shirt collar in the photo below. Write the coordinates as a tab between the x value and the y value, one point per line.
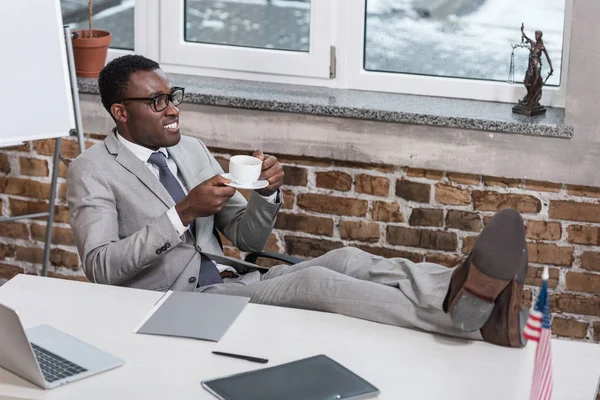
141	152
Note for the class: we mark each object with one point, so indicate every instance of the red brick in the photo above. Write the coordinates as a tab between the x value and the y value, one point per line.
570	210
9	271
494	201
426	217
232	252
583	282
447	260
7	250
305	223
597	331
542	186
526	298
58	257
4	164
447	194
413	191
332	205
21	207
393	253
543	230
468	243
369	184
59	235
70	148
295	176
436	240
14	230
546	253
80	278
288	199
585	191
569	327
534	276
95	136
24	187
273	244
359	230
335	180
463	220
465	179
62	168
425	173
575	304
581	234
388	212
312	161
309	247
33	166
590	260
502	182
386	168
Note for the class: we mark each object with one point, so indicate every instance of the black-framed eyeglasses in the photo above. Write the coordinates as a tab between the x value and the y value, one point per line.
160	102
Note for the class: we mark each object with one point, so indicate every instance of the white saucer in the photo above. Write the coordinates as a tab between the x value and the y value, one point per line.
256	185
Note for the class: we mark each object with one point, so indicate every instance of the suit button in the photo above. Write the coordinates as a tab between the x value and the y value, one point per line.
167	245
192	280
164	248
158	251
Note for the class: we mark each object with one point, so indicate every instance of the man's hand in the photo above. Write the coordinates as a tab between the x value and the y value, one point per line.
272	171
208	198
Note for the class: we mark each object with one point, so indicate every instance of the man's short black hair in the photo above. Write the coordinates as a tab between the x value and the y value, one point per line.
114	77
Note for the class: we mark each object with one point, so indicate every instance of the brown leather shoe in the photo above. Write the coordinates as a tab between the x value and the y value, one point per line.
485	290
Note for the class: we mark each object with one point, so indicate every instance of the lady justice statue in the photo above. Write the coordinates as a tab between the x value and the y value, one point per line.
530	105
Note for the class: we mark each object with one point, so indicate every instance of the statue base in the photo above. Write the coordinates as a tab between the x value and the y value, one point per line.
529	111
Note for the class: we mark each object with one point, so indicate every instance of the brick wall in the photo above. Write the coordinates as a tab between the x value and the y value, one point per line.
388	210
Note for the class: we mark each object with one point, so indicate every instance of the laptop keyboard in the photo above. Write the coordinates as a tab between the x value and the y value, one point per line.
54	367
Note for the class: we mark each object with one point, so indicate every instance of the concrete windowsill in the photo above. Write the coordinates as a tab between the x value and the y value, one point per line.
386	107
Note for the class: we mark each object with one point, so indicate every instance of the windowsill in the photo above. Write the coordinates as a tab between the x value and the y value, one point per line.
387	107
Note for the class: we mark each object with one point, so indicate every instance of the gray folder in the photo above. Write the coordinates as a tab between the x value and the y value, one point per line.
193	315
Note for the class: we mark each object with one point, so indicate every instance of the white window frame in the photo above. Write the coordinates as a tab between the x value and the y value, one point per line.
175	51
339	23
358	78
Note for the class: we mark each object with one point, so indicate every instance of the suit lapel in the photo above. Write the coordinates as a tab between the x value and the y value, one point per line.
133	164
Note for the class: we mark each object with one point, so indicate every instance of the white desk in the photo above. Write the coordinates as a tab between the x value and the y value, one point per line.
402	363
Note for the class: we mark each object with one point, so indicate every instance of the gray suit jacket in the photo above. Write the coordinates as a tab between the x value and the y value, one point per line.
123	234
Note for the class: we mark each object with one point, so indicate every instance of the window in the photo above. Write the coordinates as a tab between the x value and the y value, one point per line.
279	37
447	48
457	48
114	16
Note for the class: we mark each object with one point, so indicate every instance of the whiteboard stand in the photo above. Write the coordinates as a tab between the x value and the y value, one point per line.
78	132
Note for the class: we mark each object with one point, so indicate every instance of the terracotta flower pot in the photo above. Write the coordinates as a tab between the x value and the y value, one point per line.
90	52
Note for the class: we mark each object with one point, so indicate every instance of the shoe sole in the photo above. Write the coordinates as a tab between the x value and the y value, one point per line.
493	264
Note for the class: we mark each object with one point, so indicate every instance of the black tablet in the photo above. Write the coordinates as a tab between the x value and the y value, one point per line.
313	378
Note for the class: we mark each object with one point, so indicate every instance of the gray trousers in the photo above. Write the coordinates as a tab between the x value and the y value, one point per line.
351	282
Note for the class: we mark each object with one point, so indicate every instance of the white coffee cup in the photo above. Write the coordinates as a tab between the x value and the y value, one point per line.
245	170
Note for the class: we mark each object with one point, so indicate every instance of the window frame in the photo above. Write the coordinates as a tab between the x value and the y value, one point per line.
337	24
175	51
361	79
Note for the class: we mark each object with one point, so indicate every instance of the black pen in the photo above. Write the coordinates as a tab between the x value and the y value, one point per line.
247	358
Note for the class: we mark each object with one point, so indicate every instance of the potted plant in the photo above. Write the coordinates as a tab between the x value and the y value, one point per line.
89	48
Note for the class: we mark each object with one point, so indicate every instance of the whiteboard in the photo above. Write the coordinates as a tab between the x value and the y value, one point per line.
36	100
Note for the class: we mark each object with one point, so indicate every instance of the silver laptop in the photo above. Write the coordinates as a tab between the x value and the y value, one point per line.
46	356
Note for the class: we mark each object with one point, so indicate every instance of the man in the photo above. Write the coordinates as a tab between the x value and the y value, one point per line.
145	205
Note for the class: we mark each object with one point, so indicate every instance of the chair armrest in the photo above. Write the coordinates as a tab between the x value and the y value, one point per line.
252	257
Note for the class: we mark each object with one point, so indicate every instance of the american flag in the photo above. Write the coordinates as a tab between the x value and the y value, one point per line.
538	329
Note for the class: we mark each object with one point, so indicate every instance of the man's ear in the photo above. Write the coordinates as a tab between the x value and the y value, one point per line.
119	112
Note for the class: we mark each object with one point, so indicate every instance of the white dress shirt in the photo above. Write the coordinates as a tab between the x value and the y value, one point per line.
143	153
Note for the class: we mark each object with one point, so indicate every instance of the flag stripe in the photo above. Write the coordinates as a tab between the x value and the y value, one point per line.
538	329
